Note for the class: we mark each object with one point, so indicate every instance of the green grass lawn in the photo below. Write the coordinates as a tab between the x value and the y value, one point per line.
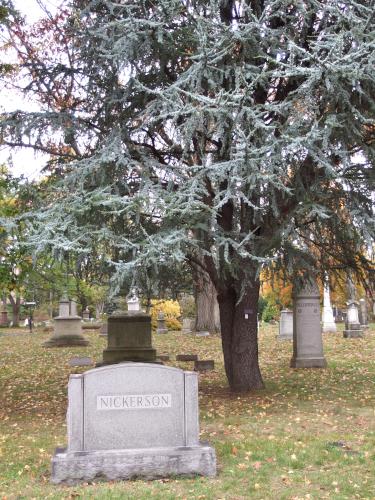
309	434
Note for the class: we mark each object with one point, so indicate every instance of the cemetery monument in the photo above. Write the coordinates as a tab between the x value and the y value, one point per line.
307	334
132	420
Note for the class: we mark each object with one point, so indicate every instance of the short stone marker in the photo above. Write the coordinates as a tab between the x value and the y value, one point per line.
132	420
163	357
307	334
187	325
86	314
81	361
202	334
363	314
204	365
161	326
187	357
104	330
286	325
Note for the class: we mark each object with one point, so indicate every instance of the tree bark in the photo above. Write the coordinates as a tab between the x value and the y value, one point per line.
16	306
207	307
239	334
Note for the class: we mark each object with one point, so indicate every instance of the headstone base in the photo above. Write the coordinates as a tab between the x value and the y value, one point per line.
353	334
117	355
72	467
66	341
308	363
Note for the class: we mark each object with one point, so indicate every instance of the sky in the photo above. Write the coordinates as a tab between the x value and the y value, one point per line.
24	162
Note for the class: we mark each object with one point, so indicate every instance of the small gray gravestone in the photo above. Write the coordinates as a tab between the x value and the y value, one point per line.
186	357
363	315
77	361
202	333
104	329
161	326
286	325
204	365
307	334
86	314
187	325
132	420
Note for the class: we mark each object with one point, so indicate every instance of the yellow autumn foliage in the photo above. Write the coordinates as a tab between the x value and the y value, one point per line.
171	310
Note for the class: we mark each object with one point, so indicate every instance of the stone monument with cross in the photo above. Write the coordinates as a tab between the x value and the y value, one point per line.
352	325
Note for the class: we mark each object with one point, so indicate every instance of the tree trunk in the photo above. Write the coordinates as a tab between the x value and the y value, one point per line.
16	306
207	307
239	334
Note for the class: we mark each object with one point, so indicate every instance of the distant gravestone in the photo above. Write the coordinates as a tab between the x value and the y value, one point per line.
186	357
67	329
132	301
129	338
161	326
362	313
307	334
328	320
352	325
132	420
353	328
4	320
77	361
104	329
204	365
202	333
286	325
86	314
187	325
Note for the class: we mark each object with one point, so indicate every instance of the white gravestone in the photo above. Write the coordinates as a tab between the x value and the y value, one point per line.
132	420
352	327
328	321
133	301
307	334
286	325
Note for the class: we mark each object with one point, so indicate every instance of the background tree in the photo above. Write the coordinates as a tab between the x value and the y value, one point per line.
226	133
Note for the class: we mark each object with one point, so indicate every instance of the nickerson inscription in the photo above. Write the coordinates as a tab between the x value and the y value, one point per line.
133	401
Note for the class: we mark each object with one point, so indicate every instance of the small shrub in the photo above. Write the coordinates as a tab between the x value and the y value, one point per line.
171	310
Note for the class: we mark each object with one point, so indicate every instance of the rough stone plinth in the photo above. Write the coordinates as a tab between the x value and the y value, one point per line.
202	333
204	365
307	334
129	338
110	465
286	325
186	357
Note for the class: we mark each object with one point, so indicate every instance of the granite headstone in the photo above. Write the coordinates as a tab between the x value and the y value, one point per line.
132	420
